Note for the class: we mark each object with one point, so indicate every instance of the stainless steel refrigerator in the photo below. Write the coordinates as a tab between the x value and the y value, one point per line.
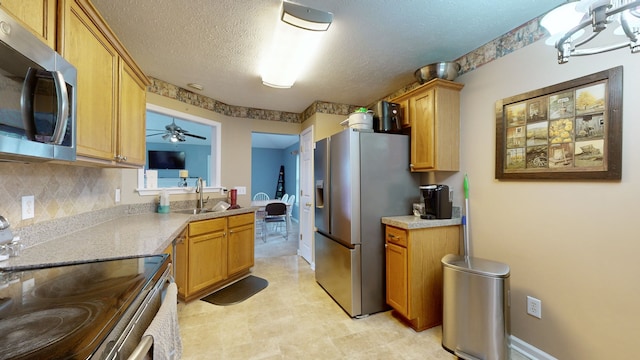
360	177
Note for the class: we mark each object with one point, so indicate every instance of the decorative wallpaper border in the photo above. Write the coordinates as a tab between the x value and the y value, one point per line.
525	34
515	39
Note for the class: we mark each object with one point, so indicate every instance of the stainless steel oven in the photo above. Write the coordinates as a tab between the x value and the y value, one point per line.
95	310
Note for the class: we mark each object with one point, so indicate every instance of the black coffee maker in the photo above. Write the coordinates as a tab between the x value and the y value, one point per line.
438	202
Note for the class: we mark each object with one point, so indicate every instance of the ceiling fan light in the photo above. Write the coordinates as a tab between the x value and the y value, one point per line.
174	138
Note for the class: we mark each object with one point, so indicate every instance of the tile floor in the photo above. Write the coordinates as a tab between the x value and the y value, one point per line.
294	318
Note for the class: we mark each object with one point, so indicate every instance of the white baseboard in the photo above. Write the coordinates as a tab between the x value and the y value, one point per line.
529	351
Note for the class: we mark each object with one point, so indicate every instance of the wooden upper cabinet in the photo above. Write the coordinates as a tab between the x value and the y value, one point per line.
96	60
39	16
111	103
404	107
433	112
132	119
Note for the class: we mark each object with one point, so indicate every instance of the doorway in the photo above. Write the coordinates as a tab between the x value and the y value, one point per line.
271	153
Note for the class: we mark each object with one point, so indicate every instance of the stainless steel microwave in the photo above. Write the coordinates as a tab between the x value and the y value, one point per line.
37	98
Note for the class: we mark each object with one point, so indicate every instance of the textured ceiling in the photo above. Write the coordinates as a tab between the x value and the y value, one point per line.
371	49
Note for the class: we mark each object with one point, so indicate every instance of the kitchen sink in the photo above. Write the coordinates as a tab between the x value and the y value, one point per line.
194	211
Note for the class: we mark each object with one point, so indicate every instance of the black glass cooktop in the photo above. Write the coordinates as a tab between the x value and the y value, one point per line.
66	312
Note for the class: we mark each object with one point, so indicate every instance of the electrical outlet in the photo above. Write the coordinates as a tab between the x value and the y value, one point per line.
534	307
28	207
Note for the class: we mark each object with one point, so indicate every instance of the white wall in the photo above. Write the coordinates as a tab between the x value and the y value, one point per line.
572	244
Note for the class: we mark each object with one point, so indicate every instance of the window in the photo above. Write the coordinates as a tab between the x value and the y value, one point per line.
202	156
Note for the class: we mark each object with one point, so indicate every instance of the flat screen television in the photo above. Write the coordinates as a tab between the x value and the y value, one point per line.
166	159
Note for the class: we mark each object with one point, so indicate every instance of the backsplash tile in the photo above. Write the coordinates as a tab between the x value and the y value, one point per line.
59	190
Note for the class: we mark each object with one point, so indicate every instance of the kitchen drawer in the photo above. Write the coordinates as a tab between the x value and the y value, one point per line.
238	220
396	236
207	226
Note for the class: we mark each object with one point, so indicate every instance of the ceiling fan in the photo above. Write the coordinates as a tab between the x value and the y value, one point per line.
174	133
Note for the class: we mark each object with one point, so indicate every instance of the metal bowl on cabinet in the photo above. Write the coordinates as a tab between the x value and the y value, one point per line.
447	70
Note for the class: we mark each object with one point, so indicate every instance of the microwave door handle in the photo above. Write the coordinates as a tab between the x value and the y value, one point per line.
63	108
26	103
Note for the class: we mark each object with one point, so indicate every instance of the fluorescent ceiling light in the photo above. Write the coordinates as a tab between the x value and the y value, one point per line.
305	18
294	45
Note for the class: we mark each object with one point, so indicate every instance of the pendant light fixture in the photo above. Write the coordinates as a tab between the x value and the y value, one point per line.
567	23
297	37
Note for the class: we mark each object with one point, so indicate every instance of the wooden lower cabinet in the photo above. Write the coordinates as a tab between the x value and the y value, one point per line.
241	243
213	253
414	272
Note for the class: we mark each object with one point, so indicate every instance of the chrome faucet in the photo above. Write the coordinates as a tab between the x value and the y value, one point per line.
200	190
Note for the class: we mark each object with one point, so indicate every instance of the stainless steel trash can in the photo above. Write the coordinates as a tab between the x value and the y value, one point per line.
475	319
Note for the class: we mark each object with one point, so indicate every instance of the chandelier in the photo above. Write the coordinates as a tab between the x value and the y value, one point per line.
569	25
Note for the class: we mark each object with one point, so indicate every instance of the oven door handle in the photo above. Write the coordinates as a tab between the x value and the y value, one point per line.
142	349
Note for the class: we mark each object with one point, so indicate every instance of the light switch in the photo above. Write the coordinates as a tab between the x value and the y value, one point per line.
242	190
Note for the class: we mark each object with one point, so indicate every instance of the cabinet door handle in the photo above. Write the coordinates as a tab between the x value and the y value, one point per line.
180	240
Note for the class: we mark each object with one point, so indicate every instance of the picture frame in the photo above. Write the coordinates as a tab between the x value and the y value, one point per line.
571	130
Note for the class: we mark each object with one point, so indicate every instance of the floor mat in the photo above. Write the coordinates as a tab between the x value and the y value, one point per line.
237	292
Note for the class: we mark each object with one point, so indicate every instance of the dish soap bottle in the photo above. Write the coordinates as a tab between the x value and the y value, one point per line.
163	208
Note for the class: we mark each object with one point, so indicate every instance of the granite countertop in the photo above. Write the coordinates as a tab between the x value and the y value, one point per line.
411	222
125	236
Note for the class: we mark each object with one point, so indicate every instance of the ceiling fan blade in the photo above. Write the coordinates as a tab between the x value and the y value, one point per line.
160	133
195	136
156	130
